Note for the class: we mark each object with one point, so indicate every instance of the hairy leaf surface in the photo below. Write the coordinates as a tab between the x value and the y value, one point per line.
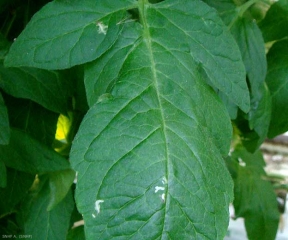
277	81
148	159
4	123
255	199
49	89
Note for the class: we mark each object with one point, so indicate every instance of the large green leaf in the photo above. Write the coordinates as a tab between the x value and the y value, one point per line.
255	199
66	33
26	154
18	184
274	25
49	89
43	224
277	81
4	123
147	154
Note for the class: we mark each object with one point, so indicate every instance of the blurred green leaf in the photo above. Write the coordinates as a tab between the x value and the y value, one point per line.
49	89
60	183
43	224
259	118
18	184
274	25
277	81
4	46
3	175
32	118
255	199
24	153
4	123
251	44
76	233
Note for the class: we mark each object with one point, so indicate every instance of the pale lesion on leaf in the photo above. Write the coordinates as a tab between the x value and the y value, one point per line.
102	28
97	207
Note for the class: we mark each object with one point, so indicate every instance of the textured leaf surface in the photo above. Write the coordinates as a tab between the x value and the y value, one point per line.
26	154
152	168
4	123
43	224
66	33
199	38
18	184
60	183
277	81
49	89
274	25
255	199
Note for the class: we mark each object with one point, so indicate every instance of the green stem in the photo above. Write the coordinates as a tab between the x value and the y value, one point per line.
143	21
241	10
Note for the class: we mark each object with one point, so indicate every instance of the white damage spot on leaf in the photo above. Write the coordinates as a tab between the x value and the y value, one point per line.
160	188
164	180
75	179
102	28
163	197
157	188
97	205
241	162
93	215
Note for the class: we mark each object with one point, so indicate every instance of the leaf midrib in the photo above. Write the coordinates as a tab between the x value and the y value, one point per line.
143	5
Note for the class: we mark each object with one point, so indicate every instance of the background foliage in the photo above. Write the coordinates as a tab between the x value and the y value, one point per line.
153	95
